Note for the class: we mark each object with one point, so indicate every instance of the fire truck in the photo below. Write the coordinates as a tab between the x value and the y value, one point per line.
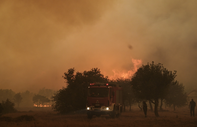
104	99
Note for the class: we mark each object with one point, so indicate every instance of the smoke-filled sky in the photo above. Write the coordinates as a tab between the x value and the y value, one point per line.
42	39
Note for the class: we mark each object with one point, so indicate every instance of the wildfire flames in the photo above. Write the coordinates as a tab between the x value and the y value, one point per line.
128	74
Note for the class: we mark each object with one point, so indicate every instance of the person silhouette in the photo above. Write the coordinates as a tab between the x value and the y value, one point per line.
192	107
145	108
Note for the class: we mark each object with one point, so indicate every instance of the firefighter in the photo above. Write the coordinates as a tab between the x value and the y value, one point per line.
145	108
192	107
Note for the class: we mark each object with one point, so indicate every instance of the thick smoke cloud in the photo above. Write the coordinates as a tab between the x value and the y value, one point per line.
40	40
30	33
166	33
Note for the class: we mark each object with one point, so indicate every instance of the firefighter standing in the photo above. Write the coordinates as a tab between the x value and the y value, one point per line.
192	107
145	108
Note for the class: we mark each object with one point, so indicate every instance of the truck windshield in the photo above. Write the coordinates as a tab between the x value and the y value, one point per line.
98	92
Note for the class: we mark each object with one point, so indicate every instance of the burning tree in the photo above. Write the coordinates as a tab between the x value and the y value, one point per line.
151	82
39	99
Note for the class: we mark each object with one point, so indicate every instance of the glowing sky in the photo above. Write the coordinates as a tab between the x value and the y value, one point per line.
42	39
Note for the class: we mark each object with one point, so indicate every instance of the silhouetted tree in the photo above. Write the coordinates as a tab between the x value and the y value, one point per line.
74	96
17	98
151	107
176	95
49	93
128	96
151	82
8	106
161	103
1	109
27	99
39	99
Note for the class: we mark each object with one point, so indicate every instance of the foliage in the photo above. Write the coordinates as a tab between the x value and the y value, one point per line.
39	99
49	93
17	98
8	106
27	99
176	95
74	96
151	82
128	96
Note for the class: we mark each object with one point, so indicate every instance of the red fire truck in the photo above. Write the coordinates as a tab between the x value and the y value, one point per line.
104	98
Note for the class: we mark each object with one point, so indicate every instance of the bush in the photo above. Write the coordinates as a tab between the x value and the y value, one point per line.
7	107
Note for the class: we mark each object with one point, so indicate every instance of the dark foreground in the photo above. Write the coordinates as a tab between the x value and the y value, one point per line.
135	118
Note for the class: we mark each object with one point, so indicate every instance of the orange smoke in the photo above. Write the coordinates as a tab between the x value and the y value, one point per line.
128	74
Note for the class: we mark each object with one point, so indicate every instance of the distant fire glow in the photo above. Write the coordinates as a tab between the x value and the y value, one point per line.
42	105
129	73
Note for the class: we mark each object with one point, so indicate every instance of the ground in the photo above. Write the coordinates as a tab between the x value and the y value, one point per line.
134	118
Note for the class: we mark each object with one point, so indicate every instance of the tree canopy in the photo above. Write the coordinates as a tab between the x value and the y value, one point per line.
127	94
27	99
7	106
17	98
151	82
49	93
176	95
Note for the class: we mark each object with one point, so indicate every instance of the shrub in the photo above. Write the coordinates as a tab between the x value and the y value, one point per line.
8	106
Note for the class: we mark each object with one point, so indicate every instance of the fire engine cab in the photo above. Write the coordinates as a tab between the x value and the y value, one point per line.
104	99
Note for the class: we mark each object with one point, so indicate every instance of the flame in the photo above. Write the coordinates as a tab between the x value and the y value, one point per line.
40	105
129	73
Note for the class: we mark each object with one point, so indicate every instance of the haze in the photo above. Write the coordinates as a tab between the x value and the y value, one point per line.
42	39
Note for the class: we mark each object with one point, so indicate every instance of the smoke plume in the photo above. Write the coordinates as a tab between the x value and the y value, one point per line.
41	39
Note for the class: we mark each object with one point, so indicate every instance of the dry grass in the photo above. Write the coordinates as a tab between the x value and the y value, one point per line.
48	118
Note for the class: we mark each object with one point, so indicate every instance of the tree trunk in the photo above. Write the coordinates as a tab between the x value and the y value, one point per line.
161	104
151	107
139	106
124	108
129	107
156	107
130	104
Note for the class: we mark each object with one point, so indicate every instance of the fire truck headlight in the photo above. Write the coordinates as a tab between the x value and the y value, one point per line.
88	108
107	108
